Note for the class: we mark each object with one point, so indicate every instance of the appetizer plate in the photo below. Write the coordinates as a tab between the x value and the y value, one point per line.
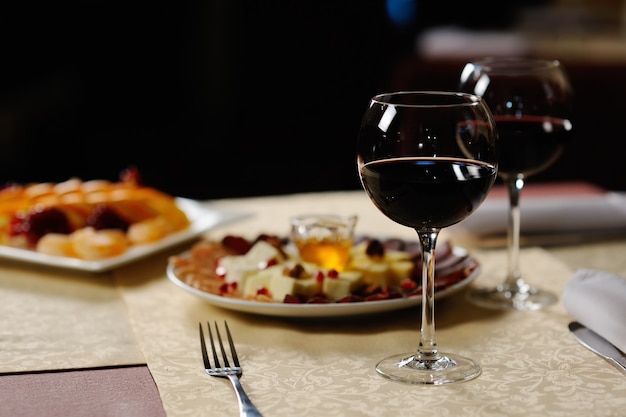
320	310
202	218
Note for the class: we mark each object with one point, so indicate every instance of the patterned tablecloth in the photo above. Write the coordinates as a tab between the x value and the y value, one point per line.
531	365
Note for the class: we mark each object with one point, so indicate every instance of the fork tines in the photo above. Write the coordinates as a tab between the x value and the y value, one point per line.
233	373
216	361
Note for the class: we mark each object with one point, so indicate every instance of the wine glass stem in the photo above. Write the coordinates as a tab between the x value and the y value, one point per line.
428	344
514	281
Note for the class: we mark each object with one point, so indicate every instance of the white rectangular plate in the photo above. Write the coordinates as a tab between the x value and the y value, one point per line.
202	218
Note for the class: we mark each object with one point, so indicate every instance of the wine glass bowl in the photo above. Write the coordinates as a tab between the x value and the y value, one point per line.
530	100
427	160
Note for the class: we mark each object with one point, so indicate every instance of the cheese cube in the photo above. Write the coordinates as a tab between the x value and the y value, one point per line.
236	269
336	288
262	252
374	272
345	284
254	283
281	285
239	268
308	287
354	277
400	271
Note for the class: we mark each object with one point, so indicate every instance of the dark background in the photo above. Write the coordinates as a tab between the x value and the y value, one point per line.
221	98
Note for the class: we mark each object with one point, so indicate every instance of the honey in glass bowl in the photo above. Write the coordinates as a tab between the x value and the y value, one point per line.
325	240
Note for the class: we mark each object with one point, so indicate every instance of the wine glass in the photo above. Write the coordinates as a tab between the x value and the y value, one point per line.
427	160
530	100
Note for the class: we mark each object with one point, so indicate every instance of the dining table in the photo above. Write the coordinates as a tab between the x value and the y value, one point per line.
124	342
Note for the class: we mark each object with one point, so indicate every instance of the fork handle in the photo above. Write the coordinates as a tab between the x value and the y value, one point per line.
246	408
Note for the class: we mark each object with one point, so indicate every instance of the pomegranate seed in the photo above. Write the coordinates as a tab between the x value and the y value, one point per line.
266	264
408	285
291	299
262	291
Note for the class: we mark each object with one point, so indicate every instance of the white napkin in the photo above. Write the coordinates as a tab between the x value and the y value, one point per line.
601	214
597	300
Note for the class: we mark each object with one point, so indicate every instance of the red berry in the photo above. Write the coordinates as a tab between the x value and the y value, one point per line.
105	217
291	299
266	264
408	285
236	244
227	288
39	221
263	291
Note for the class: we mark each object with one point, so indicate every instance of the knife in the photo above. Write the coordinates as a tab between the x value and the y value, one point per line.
597	344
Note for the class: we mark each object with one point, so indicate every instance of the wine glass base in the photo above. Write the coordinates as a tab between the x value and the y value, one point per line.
447	369
502	299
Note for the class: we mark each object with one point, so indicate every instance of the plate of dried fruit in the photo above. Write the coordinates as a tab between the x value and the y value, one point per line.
265	276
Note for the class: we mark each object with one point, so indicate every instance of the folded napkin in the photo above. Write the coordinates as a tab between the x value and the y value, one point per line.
597	300
552	210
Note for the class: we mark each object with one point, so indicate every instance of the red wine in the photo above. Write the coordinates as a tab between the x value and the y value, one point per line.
529	144
427	192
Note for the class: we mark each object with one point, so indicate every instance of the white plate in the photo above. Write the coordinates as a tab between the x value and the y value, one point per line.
319	310
202	218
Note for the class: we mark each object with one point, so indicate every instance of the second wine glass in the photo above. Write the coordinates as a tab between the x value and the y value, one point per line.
531	103
427	160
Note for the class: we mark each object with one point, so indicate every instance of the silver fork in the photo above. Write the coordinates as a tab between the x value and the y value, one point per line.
233	373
